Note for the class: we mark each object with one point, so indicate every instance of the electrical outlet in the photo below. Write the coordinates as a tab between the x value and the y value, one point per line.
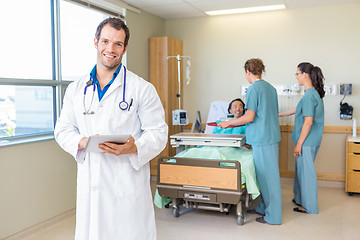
331	89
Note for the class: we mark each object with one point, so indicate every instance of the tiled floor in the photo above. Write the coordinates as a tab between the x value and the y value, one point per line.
339	218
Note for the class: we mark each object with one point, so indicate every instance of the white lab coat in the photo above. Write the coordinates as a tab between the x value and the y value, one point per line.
114	198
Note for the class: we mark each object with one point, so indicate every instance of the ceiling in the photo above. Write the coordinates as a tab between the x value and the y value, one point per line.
172	9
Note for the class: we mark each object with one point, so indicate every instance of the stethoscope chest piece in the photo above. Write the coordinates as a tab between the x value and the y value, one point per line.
123	105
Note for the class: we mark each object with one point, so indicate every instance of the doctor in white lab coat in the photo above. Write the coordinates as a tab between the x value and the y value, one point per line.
114	198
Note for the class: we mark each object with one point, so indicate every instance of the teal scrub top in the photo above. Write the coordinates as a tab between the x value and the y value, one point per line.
261	97
235	130
311	105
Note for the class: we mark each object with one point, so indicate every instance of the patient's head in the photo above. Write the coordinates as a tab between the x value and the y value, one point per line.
236	107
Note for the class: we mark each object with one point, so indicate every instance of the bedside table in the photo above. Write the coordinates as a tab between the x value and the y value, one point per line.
352	180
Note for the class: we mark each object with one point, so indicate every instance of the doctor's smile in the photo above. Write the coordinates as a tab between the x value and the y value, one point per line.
109	56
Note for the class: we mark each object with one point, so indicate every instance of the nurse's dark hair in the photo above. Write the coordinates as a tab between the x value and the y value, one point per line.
316	76
237	99
116	23
255	66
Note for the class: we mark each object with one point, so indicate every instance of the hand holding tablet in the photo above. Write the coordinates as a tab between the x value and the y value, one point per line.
94	141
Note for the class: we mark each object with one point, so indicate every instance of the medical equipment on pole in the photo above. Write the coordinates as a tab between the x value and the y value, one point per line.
179	116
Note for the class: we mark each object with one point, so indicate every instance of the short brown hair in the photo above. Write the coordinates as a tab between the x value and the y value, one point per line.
255	66
116	23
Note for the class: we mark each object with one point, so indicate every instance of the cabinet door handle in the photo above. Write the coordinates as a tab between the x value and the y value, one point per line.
355	170
356	153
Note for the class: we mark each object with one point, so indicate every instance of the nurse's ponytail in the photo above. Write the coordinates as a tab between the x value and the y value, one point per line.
316	76
317	80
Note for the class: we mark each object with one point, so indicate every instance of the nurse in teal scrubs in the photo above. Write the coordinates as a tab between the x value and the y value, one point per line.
263	133
236	107
307	134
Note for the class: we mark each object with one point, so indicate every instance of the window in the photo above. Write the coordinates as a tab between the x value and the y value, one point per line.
42	50
26	110
25	44
78	26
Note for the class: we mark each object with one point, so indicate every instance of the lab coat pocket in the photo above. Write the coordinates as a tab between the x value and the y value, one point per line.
125	184
125	121
83	177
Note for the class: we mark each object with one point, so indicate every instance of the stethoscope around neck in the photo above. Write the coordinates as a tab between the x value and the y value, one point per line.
123	105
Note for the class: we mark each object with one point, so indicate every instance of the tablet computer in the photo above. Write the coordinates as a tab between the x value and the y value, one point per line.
94	141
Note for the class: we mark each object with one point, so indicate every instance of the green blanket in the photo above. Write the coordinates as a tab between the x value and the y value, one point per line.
244	156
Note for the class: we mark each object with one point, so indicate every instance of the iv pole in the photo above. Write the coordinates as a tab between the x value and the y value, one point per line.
178	57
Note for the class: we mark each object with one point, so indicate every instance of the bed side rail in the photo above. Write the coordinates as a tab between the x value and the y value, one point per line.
199	173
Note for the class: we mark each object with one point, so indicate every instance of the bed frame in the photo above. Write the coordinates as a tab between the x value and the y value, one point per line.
203	183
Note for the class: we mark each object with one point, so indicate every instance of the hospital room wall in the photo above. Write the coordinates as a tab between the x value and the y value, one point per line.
37	182
142	27
327	36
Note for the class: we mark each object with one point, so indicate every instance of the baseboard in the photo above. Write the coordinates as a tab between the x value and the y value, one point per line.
320	176
320	183
40	226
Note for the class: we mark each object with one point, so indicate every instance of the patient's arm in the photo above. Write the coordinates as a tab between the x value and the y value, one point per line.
290	111
246	118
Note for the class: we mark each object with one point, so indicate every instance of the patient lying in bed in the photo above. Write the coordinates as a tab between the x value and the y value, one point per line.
243	155
235	110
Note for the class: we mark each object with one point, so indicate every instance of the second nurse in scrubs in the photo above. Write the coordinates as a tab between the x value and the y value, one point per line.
307	134
263	133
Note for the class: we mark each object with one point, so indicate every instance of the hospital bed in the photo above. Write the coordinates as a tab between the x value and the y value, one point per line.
208	180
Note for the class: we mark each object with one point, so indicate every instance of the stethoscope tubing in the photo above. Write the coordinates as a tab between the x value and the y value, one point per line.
123	102
123	105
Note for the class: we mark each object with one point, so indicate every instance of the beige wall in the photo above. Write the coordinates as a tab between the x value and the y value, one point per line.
326	36
37	182
219	46
142	26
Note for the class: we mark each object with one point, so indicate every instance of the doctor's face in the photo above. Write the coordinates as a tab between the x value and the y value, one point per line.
110	47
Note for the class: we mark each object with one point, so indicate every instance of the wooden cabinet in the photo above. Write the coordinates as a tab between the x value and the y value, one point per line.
352	182
164	76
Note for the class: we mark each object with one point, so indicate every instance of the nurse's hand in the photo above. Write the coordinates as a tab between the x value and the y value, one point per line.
297	150
224	124
118	149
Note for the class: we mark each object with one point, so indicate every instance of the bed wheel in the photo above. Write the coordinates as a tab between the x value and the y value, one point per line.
176	211
241	219
350	193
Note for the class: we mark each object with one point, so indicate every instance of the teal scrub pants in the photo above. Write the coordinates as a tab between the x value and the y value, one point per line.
266	159
305	183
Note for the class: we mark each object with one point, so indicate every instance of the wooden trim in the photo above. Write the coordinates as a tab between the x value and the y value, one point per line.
289	128
327	129
287	173
320	176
